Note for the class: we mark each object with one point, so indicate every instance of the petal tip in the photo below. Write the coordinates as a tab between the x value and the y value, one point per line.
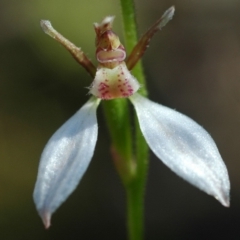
46	218
224	200
184	146
166	17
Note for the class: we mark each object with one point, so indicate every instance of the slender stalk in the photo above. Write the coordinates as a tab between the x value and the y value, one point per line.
140	48
135	189
75	51
134	212
119	125
131	39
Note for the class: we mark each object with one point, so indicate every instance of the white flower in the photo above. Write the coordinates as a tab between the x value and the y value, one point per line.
184	146
179	142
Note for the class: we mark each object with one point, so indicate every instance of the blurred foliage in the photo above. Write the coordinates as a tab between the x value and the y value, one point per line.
192	66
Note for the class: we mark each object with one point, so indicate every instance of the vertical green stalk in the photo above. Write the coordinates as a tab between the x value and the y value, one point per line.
135	188
131	165
131	39
119	124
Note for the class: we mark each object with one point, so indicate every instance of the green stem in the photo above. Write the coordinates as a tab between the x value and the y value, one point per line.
118	121
131	165
131	39
135	216
135	188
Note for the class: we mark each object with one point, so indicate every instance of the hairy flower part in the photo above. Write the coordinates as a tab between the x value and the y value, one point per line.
75	51
108	46
179	142
144	41
113	79
109	49
114	83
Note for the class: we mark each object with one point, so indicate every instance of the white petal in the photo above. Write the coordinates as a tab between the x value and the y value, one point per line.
65	159
113	83
184	146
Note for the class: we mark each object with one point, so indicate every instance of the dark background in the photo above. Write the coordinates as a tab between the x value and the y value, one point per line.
193	65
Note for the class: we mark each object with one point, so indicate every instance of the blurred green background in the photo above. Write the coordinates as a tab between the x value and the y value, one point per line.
193	65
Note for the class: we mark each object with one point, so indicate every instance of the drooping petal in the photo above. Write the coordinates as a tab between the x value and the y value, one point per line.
184	146
65	159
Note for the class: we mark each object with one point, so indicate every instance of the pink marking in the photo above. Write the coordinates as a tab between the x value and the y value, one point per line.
103	84
103	95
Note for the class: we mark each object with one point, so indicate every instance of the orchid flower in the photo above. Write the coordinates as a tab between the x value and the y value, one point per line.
179	142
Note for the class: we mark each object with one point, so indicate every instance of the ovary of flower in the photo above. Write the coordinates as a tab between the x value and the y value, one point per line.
179	142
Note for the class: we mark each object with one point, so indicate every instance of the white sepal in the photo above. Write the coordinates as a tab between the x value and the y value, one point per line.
65	159
184	146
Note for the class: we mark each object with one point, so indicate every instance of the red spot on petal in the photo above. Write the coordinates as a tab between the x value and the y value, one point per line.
104	85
